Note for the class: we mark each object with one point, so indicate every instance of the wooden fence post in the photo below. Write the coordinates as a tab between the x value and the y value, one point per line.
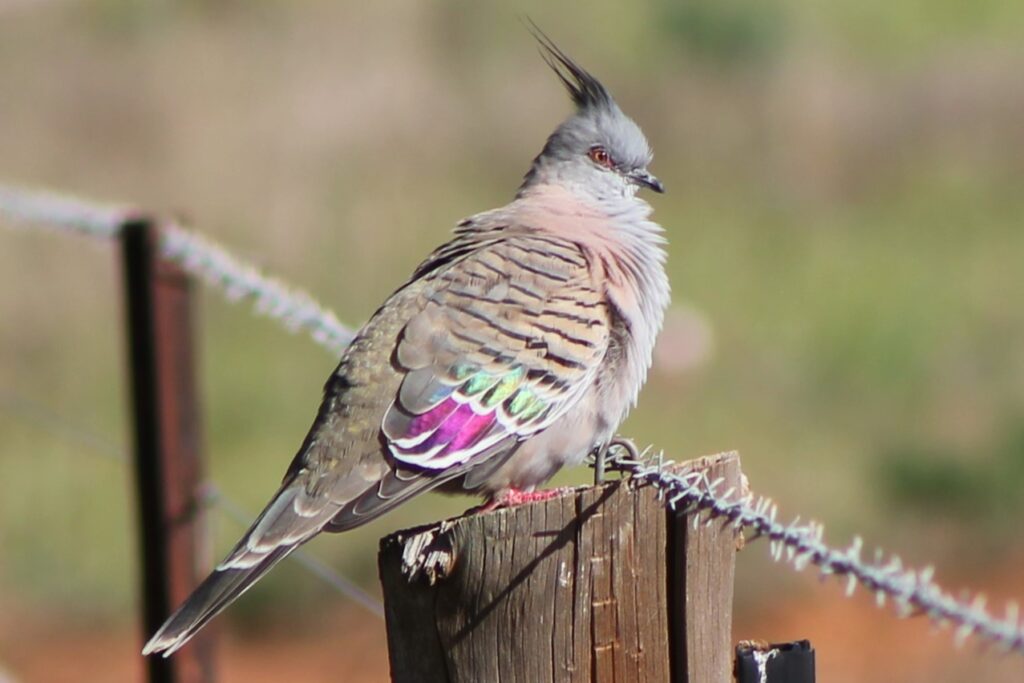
166	443
702	571
602	584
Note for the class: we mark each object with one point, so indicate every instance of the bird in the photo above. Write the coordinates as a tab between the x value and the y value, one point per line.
514	349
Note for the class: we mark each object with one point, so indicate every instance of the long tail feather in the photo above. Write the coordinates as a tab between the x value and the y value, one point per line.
216	592
280	529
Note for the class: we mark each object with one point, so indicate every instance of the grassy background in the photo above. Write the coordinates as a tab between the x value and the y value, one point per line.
844	209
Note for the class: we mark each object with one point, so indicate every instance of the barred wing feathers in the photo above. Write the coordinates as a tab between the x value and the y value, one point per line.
506	342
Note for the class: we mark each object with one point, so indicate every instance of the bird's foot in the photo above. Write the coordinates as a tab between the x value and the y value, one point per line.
511	497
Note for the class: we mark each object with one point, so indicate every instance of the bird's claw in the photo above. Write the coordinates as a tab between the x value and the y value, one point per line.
511	497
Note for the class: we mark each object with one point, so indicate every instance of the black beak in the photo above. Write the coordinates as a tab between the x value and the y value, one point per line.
645	179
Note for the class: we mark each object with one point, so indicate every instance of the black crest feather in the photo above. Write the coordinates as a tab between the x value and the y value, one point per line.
585	90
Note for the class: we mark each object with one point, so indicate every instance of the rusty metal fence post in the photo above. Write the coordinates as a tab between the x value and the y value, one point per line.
166	443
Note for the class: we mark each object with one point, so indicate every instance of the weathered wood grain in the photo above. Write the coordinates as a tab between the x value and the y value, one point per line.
703	568
578	588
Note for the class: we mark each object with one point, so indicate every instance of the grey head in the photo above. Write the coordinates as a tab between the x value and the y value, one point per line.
598	150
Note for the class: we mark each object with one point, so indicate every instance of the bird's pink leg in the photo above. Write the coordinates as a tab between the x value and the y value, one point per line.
512	497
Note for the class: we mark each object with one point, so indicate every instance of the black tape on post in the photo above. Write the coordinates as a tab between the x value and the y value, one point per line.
775	663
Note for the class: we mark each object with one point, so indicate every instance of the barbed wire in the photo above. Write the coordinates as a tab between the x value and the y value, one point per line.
49	421
293	308
913	591
61	212
199	256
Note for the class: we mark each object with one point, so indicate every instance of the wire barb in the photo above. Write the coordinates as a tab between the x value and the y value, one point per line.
911	591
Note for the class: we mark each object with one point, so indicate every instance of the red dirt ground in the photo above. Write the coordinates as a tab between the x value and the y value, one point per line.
854	641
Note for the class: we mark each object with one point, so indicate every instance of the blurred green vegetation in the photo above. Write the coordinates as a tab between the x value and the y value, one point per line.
844	211
729	32
939	482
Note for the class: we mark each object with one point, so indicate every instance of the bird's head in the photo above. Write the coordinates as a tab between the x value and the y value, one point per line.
598	150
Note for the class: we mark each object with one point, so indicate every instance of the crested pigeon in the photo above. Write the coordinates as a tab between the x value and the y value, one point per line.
514	349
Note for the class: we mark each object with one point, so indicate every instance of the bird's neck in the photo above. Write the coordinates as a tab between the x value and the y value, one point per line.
618	229
597	187
619	221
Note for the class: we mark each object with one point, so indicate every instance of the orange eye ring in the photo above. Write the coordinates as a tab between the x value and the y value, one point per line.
599	155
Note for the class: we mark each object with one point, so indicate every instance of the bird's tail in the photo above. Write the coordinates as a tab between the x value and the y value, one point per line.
216	592
292	518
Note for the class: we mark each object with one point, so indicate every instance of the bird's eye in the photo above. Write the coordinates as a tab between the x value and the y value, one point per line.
599	155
